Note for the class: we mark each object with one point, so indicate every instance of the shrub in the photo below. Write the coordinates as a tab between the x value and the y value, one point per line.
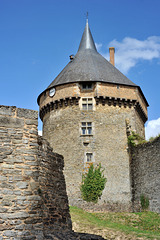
144	202
93	184
134	139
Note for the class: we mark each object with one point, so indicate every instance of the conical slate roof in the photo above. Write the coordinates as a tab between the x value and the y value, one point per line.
89	65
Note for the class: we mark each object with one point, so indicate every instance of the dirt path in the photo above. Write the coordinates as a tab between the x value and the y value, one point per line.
106	233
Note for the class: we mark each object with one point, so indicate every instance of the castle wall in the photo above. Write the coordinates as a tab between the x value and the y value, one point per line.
108	143
113	104
145	171
33	200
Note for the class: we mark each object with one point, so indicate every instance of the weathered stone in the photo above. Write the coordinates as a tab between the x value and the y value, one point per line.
22	166
6	202
6	150
6	185
7	110
15	222
9	166
29	158
17	136
33	144
34	186
2	209
11	122
33	132
12	171
16	141
18	178
29	183
31	122
6	191
30	114
145	172
3	178
9	233
13	160
22	185
16	215
26	193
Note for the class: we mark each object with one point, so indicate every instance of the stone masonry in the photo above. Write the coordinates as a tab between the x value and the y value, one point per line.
33	200
145	173
62	121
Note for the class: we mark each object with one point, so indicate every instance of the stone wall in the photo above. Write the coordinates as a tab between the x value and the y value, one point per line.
33	197
145	173
62	117
107	143
52	190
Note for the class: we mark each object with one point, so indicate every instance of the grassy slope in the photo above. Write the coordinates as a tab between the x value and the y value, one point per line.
144	225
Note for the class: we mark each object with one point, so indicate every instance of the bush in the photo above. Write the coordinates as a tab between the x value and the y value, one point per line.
134	139
144	202
93	184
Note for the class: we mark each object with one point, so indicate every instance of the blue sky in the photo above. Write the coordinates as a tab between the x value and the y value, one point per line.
37	37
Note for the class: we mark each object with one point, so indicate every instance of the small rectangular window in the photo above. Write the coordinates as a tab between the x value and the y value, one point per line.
86	128
89	157
86	86
87	103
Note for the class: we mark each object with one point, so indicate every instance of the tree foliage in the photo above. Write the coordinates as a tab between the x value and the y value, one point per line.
93	184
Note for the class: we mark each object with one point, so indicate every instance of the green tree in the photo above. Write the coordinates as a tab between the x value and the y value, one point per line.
93	184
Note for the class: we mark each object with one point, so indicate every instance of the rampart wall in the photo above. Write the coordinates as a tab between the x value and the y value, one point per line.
145	173
33	199
32	187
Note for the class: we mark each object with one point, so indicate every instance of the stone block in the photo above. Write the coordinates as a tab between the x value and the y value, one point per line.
27	113
9	122
22	185
2	209
29	158
34	185
17	215
7	110
9	233
31	122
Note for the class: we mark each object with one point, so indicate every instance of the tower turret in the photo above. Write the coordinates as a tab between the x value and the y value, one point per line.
84	113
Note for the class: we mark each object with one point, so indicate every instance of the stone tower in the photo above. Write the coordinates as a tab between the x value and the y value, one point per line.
86	113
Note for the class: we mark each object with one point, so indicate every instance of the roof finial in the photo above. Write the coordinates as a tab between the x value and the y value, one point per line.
87	17
87	41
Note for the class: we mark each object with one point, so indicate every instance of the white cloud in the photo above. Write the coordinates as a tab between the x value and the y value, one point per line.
153	128
130	51
98	46
40	132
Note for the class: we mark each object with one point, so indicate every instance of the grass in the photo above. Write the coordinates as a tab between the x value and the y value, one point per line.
143	224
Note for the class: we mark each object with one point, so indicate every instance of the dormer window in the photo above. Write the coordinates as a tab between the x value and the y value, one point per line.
87	86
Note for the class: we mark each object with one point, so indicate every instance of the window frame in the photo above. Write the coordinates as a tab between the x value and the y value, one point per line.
90	154
88	103
86	128
86	84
